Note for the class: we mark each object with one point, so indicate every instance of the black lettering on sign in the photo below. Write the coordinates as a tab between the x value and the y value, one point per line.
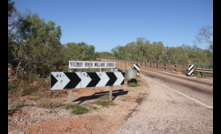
110	64
102	64
96	64
88	64
76	64
99	64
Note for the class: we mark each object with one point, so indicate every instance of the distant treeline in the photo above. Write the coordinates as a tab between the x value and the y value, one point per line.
143	50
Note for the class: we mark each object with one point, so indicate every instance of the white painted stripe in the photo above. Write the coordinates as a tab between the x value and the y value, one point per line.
104	79
191	67
62	80
79	75
85	80
136	67
197	101
190	72
120	78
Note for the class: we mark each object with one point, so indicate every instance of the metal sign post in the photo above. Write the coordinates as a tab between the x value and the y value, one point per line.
69	92
110	93
69	96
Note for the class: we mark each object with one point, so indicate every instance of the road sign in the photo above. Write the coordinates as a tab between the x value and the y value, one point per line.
137	68
190	69
91	64
68	80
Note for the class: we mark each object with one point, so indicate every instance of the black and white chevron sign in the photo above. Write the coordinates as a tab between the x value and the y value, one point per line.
67	80
137	68
190	69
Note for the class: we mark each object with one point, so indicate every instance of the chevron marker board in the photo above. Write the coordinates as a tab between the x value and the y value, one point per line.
69	80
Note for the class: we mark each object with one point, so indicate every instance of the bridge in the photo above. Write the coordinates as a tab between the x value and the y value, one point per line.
182	103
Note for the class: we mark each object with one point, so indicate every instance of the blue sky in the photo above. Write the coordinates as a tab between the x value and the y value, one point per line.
108	23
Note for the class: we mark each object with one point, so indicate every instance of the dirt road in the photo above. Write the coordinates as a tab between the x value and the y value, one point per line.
174	104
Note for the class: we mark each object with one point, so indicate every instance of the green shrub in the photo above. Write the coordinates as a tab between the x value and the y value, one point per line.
95	108
17	104
76	109
49	104
79	110
70	106
102	103
133	84
104	97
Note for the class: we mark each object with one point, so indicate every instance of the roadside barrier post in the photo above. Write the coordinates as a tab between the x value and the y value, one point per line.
190	69
69	93
110	93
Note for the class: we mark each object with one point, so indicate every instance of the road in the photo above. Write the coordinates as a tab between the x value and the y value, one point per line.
174	104
199	89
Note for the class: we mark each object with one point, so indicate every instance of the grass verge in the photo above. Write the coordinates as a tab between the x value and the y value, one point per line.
76	109
17	104
104	101
49	104
133	83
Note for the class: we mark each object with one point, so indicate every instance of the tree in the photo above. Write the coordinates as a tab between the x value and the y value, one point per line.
12	15
78	51
171	54
11	8
205	35
159	51
104	55
143	50
130	51
38	45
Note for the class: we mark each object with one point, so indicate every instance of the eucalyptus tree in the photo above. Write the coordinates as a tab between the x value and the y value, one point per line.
104	54
79	51
12	15
159	51
119	52
140	49
130	51
38	45
205	35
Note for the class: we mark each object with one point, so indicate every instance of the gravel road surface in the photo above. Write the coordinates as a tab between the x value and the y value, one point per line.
174	104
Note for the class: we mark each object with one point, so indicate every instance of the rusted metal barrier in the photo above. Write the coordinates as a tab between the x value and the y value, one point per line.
158	66
202	70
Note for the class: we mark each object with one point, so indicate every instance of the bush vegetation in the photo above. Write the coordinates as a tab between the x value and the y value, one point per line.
76	109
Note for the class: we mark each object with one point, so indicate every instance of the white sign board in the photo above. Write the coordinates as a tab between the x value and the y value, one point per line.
91	64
